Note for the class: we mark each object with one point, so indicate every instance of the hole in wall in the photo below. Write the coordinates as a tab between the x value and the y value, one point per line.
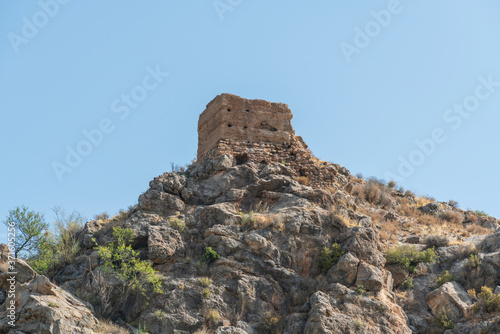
229	125
245	127
228	109
247	110
241	158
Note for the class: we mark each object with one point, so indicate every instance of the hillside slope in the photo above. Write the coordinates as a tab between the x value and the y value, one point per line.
274	274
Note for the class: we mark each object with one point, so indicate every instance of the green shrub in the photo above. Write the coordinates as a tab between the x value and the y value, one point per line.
485	294
210	256
270	324
391	184
142	330
360	291
436	241
212	316
442	321
328	257
481	213
409	256
123	263
248	220
159	314
445	278
206	293
60	248
408	284
178	224
473	262
205	281
487	301
493	305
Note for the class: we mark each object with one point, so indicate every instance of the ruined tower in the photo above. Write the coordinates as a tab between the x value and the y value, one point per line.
259	131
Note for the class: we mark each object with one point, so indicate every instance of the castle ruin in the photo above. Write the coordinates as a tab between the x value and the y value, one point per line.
259	131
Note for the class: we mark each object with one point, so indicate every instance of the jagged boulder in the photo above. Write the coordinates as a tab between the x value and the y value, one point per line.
345	271
41	306
163	242
451	299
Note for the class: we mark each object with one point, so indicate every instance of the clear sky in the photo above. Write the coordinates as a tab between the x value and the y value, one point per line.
406	89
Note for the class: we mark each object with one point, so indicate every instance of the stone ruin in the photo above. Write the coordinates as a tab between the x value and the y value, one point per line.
259	131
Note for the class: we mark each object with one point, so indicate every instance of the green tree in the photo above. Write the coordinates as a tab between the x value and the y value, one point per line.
31	230
122	262
59	248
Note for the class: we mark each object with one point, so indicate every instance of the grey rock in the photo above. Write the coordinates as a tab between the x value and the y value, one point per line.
370	277
450	298
163	242
345	271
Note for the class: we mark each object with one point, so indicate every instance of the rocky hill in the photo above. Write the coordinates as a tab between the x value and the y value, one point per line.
261	237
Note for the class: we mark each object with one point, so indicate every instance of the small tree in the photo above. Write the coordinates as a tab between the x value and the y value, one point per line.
122	262
31	229
59	248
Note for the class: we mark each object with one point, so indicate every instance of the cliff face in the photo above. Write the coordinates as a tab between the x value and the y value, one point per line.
270	224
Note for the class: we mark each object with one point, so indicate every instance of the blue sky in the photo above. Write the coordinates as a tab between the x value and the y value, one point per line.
67	67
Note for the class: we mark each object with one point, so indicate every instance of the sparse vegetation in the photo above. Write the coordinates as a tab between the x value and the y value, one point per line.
409	256
55	250
304	180
270	324
177	224
54	305
212	316
360	291
374	191
159	314
31	230
210	256
481	213
453	217
107	327
206	293
436	241
445	278
487	301
442	321
408	284
121	262
329	256
473	261
104	216
142	330
205	281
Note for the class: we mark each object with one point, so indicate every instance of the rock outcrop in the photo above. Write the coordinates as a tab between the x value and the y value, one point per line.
40	306
271	211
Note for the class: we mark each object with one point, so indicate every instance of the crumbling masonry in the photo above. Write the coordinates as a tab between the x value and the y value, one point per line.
259	131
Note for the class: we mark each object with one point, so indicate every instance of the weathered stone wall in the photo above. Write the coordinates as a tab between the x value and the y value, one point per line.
234	118
260	131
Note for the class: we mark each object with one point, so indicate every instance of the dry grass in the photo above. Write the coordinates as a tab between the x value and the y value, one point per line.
107	327
304	180
477	230
455	218
374	192
259	221
344	220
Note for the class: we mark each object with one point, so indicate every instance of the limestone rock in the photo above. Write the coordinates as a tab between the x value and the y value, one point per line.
450	298
370	277
42	307
345	271
163	242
